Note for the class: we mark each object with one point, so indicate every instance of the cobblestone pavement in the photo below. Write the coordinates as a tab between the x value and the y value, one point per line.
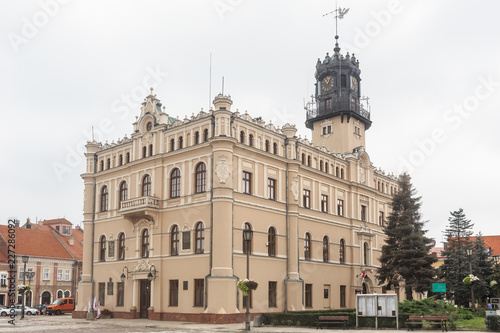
66	324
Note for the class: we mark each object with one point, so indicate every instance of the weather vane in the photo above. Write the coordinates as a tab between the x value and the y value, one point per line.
339	15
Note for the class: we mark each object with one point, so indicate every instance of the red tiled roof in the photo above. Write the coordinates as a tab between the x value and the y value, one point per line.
37	243
77	248
492	242
437	251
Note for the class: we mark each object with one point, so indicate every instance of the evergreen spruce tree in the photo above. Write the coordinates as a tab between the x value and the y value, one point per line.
456	265
482	267
405	260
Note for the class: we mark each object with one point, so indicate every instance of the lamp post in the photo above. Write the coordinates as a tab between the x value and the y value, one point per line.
30	276
469	253
247	237
25	261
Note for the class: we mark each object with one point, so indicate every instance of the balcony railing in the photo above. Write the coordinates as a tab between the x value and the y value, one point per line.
337	106
139	203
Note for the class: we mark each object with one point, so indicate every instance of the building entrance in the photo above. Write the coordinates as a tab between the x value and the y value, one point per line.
145	292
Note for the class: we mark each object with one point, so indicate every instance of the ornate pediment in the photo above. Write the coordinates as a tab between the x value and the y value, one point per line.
142	266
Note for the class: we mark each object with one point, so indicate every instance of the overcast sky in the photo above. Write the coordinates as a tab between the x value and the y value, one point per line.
431	70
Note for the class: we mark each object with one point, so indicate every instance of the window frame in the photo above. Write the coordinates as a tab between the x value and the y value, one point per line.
271	242
199	238
308	295
146	185
247	182
102	248
340	207
145	243
199	290
307	246
173	299
123	196
175	183
174	240
271	189
200	178
104	198
272	294
342	251
324	203
306	198
326	249
121	246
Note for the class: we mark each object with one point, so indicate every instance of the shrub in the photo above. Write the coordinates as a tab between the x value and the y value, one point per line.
493	323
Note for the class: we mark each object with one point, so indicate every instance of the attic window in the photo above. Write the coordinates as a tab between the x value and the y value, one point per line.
149	126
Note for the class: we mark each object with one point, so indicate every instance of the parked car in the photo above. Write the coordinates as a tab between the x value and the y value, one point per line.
61	305
39	307
28	311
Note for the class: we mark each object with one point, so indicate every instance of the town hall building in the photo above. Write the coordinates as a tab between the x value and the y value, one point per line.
165	209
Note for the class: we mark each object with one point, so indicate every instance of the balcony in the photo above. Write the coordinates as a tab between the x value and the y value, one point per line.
138	208
337	107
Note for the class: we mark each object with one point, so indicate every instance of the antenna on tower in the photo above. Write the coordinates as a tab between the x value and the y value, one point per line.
223	86
339	15
210	84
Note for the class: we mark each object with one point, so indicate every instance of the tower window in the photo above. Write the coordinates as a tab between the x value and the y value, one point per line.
343	81
354	104
327	129
328	104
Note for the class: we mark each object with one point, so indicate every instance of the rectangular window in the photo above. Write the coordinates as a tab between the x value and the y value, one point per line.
342	296
102	293
309	295
272	294
340	207
363	213
381	218
59	275
120	293
21	273
324	203
199	292
247	182
307	199
248	298
174	293
3	281
67	275
328	104
45	274
271	189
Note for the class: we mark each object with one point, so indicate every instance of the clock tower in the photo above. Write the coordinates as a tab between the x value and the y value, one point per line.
337	118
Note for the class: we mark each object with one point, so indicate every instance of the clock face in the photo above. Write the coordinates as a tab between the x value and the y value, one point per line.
354	83
327	83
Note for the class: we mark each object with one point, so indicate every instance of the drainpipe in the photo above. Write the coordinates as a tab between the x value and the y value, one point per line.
93	235
211	216
287	230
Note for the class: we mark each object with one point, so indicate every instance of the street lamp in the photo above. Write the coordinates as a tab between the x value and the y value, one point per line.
247	237
25	261
469	253
151	277
123	277
30	276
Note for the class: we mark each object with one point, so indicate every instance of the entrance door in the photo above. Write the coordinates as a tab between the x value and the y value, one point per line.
45	297
326	296
145	298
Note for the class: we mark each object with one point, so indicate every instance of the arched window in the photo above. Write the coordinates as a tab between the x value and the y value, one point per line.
175	183
343	81
60	294
242	137
326	167
320	165
108	163
67	294
307	247
267	145
123	191
172	144
144	152
102	165
127	160
121	246
365	253
104	199
145	243
205	135
275	148
201	178
181	142
146	186
250	140
342	173
102	248
200	238
271	242
196	137
303	158
326	246
120	160
337	171
174	241
246	246
309	160
342	251
150	150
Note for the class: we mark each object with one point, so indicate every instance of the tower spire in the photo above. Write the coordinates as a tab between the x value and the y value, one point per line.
339	15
